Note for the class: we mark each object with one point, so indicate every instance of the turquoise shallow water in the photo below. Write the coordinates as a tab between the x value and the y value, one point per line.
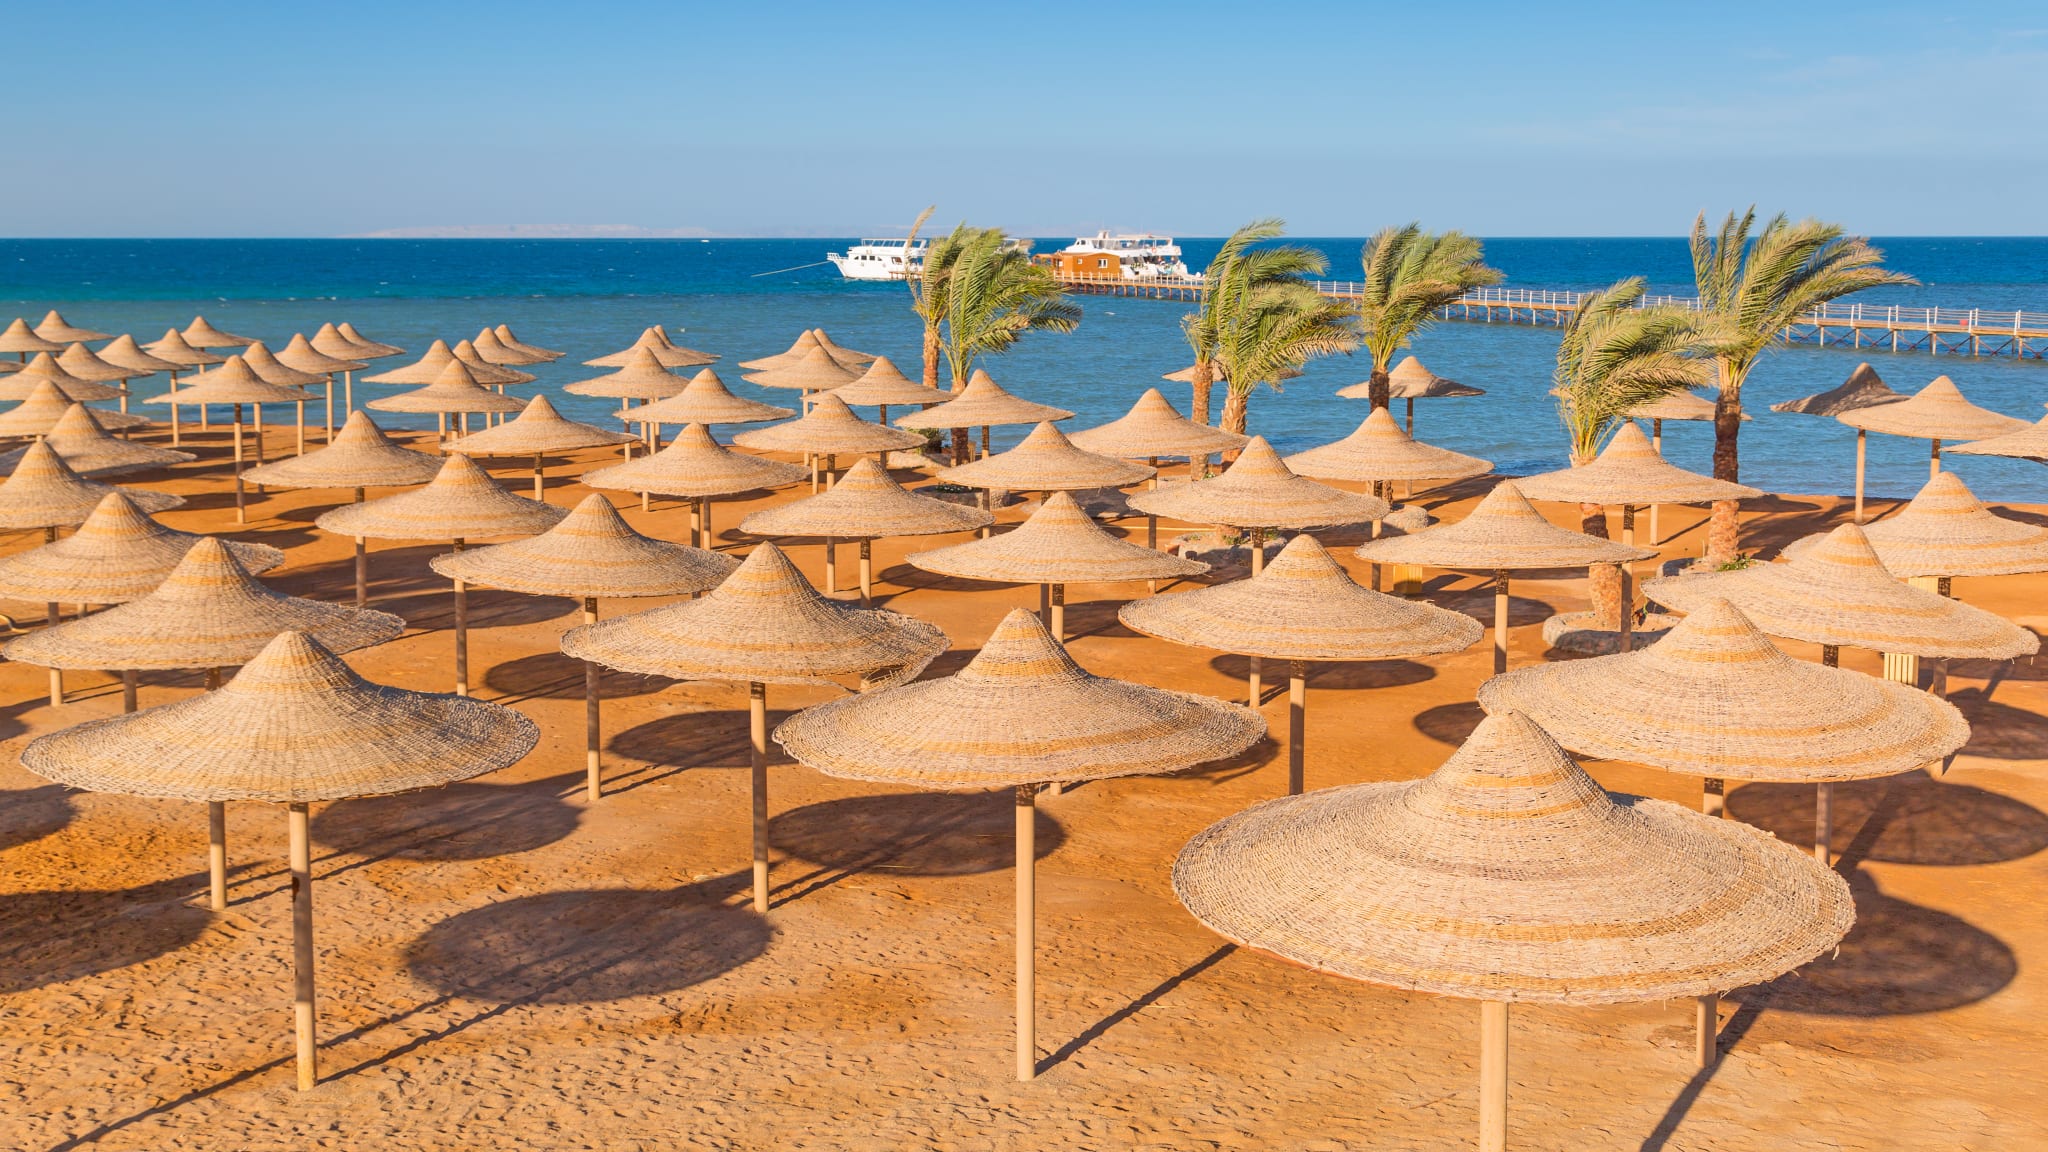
593	297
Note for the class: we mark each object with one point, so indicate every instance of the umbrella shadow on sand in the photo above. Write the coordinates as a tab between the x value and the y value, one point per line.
1328	676
591	945
464	821
679	741
1451	724
907	834
558	676
29	814
1908	819
54	935
2001	731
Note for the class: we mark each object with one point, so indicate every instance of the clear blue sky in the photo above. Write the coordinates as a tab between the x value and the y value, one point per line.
291	119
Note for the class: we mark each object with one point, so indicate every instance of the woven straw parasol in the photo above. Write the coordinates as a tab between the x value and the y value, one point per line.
1379	451
591	554
982	404
1059	545
44	492
840	352
2028	442
82	363
1502	534
495	375
1154	428
829	429
429	368
294	726
1302	607
1045	461
640	377
866	503
803	346
369	349
1681	405
456	390
1218	374
119	554
882	385
233	383
1409	381
344	343
84	444
705	400
495	351
55	327
816	372
1944	532
1509	875
126	353
696	467
1935	413
1021	714
21	340
764	625
173	349
1714	698
538	430
301	354
1863	389
505	337
274	371
1259	491
46	406
656	342
462	503
201	333
45	370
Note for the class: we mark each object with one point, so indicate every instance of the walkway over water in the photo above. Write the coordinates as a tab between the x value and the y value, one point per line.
1892	327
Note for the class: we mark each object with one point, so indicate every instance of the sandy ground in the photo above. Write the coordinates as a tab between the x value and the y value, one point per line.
504	965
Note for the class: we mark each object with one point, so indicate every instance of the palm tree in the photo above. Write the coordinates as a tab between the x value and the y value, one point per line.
1228	285
1614	357
1409	275
1757	286
1282	326
928	290
994	294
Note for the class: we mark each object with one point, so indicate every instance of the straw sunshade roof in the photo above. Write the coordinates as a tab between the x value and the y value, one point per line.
495	375
655	342
640	377
47	405
2029	441
705	400
1259	491
1947	531
1631	471
1059	544
1509	875
1303	606
829	429
1409	380
1022	712
1153	427
983	403
430	368
19	337
266	365
505	337
462	503
124	352
208	613
694	464
1380	450
591	552
1218	374
361	456
456	389
538	428
295	725
301	354
79	437
55	327
816	372
83	363
119	554
866	503
1839	593
201	333
43	492
43	369
1936	412
1682	405
765	624
1045	461
883	383
345	343
233	382
496	351
1503	532
840	352
1715	698
370	349
8	367
1863	389
173	349
802	346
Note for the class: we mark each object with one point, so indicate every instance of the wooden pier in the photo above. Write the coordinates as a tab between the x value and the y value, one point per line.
1885	327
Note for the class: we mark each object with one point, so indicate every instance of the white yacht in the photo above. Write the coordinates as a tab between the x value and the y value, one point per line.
881	259
1129	255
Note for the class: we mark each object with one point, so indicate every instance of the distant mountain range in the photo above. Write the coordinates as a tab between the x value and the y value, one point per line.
535	232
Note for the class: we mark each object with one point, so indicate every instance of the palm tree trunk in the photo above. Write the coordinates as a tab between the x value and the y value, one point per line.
1205	379
1234	406
1603	579
1381	389
1724	526
931	356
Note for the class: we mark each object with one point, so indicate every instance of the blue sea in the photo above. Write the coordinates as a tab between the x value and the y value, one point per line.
748	298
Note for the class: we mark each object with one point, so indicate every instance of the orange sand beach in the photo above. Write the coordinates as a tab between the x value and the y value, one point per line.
504	964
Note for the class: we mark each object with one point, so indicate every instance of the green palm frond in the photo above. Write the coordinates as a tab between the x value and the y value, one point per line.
1615	356
1408	275
994	295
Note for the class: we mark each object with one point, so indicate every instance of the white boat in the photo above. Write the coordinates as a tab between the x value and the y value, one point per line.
880	259
1128	255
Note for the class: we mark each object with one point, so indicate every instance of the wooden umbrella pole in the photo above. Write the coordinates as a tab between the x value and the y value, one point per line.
1934	460
757	713
1656	443
1044	606
867	573
1713	794
831	566
330	408
1258	551
1861	438
1253	686
1500	621
696	521
302	946
127	690
1059	613
217	855
593	731
241	500
177	434
1824	794
540	481
1707	1029
461	633
1493	1076
54	616
984	442
440	427
1297	725
1409	426
1628	575
257	412
362	565
348	390
706	542
302	427
1027	931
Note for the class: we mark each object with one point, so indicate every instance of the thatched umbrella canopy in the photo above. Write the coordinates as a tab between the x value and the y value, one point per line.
201	333
1059	545
590	554
704	400
1154	428
126	353
696	467
486	373
119	554
1684	405
840	352
274	371
83	363
1935	413
640	377
360	457
655	341
1410	381
494	350
2028	442
1944	532
1303	607
816	372
344	342
764	625
982	404
82	440
1378	451
803	346
235	384
1863	389
44	492
44	369
865	504
296	725
1045	461
462	503
428	369
829	430
1020	715
301	354
1502	534
173	349
55	327
537	431
46	405
882	385
505	337
1260	492
22	340
1509	875
456	389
